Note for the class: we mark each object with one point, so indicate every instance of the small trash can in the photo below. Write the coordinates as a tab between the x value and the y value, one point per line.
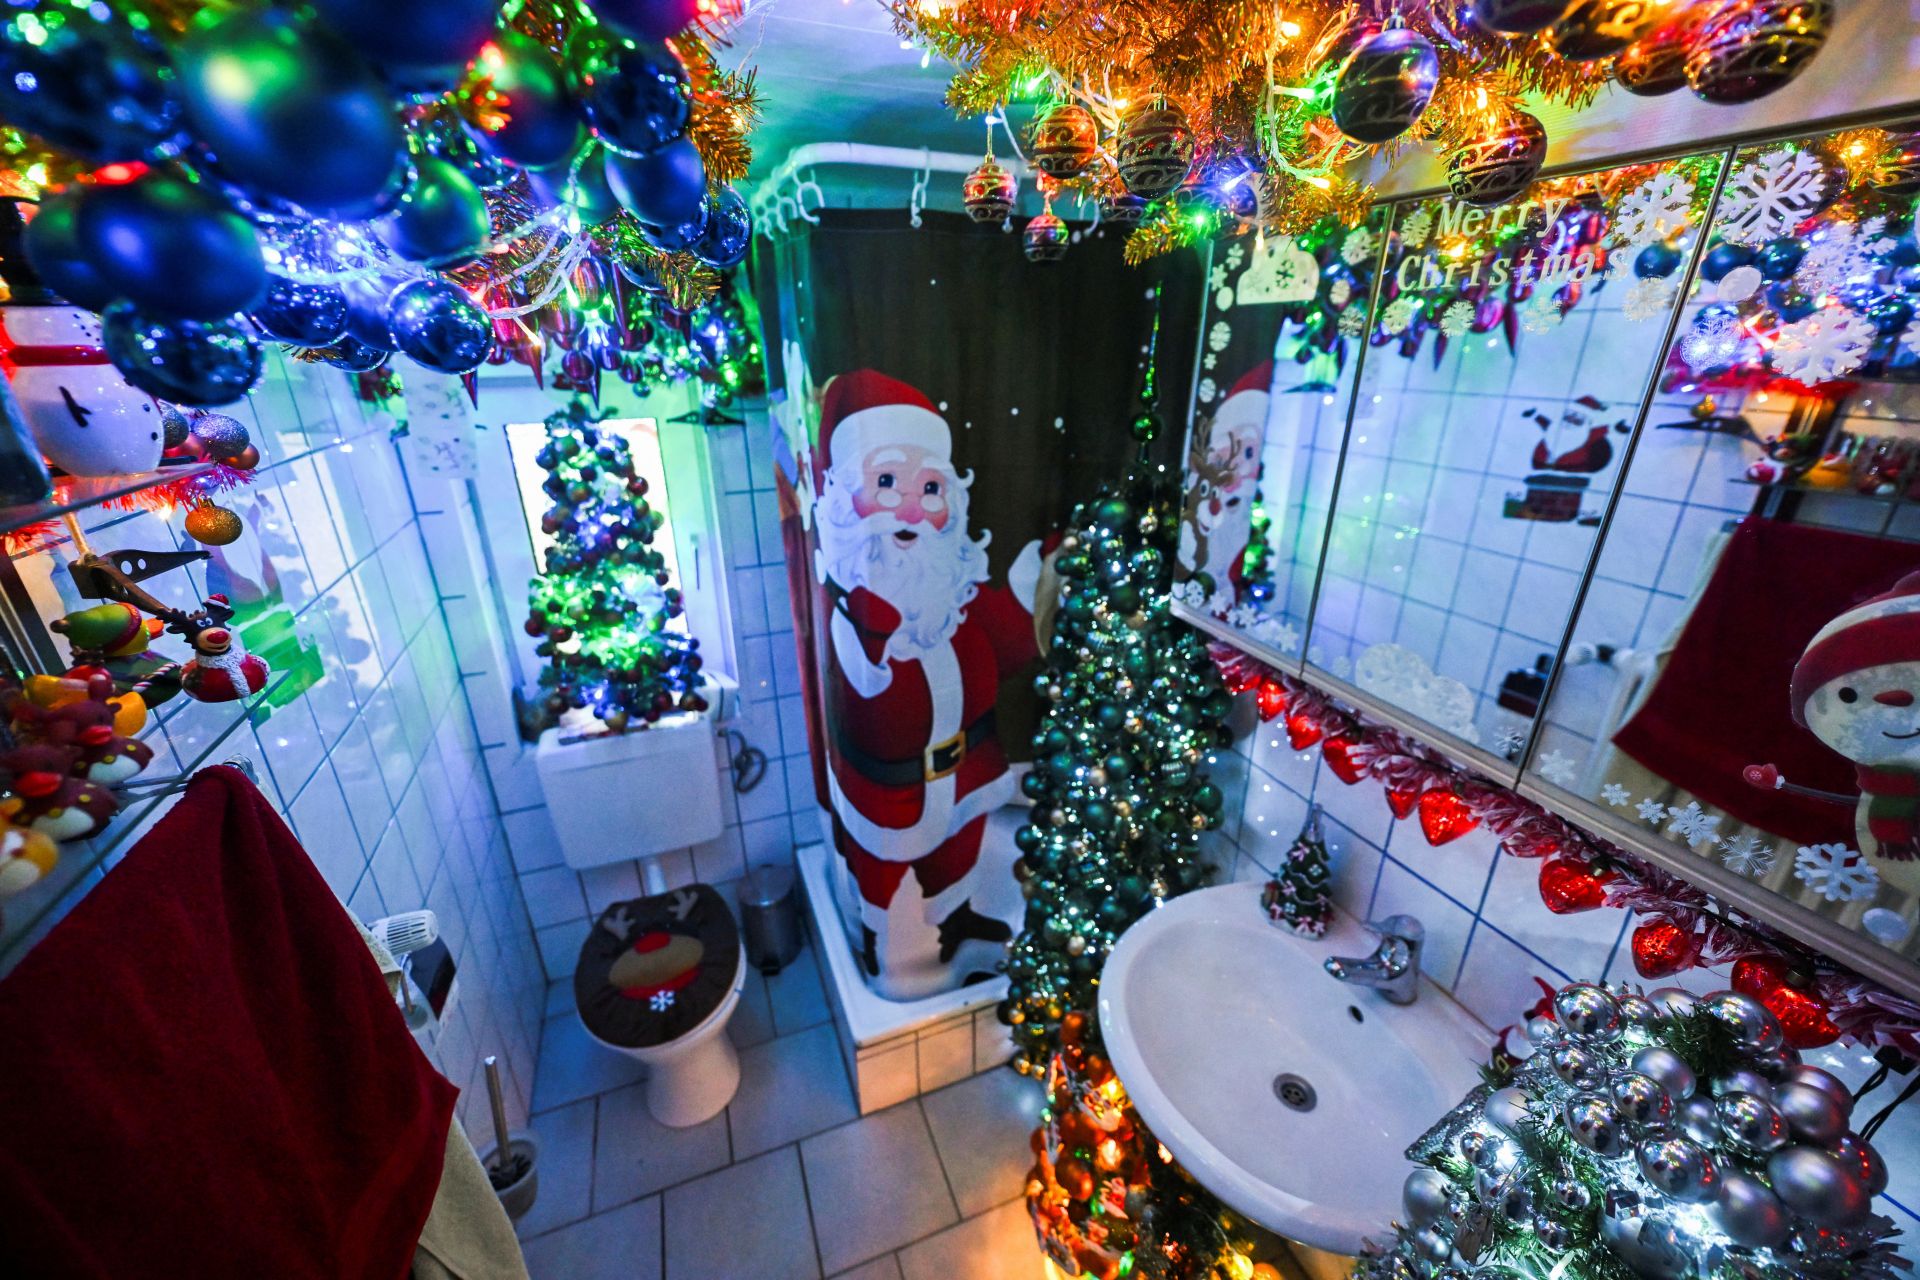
770	918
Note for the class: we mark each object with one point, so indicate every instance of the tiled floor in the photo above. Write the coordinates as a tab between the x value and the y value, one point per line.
789	1183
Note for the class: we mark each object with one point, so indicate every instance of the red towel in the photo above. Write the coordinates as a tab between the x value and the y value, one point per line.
1722	702
202	1072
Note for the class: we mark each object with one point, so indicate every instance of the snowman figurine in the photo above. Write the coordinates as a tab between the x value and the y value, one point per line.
84	417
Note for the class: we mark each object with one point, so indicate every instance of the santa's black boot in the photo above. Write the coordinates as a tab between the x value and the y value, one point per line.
869	951
965	924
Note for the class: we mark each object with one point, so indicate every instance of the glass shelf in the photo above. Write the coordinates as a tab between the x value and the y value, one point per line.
77	493
1788	487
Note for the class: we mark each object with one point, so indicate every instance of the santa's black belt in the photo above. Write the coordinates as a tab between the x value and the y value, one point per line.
936	762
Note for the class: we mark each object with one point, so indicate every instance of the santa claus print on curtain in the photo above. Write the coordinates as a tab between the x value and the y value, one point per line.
1223	471
925	464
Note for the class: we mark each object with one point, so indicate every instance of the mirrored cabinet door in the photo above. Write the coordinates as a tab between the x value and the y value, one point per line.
1510	349
1743	685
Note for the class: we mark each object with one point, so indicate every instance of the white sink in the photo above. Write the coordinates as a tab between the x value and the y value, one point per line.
1203	1003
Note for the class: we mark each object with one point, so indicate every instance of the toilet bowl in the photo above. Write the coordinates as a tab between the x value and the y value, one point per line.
691	1078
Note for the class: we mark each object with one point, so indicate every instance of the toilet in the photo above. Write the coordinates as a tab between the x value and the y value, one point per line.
659	976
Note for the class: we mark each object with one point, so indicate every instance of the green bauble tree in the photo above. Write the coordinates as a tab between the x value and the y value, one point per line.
1133	704
601	608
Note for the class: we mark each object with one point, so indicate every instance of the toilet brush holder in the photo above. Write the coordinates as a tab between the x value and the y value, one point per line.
516	1179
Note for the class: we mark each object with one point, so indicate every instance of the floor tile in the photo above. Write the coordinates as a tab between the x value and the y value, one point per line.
573	1065
747	1221
799	1001
789	1088
879	1269
994	1246
621	1245
566	1169
752	1021
635	1155
879	1184
980	1127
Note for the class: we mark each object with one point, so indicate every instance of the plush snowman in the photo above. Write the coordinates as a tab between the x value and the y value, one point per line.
84	417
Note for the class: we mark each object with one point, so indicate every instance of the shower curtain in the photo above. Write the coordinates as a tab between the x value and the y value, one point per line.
939	405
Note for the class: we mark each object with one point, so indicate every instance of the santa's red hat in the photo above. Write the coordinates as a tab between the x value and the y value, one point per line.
1874	633
1246	403
1259	378
864	410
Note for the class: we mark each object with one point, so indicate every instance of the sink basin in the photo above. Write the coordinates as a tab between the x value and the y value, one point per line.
1205	1006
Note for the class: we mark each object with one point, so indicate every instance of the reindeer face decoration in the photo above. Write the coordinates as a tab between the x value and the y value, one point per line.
222	670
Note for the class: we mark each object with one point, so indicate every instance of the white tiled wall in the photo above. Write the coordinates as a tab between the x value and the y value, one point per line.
375	764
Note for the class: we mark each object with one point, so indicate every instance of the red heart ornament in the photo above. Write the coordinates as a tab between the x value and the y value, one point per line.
1271	699
1445	816
1402	800
1801	1015
1302	730
1571	885
1662	948
1338	752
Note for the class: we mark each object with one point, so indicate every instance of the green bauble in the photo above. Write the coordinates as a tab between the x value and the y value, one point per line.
1098	814
1109	716
1028	839
1113	512
1117	765
1207	798
1145	426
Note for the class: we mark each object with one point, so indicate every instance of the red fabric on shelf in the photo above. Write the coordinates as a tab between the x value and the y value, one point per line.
202	1071
1722	702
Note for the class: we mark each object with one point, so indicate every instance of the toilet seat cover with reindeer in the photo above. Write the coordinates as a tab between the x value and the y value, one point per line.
654	968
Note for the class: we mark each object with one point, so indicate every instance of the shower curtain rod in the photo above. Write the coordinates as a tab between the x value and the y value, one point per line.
785	187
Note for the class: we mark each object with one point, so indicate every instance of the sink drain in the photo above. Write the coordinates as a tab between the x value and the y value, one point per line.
1294	1092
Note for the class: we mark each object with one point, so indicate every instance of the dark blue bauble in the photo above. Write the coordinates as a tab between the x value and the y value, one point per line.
89	81
1656	262
664	189
293	111
184	362
519	105
413	40
729	230
1723	258
354	355
367	310
1385	85
583	186
1905	251
1779	259
53	250
635	95
647	19
307	315
436	324
172	248
1890	313
441	218
1796	306
681	238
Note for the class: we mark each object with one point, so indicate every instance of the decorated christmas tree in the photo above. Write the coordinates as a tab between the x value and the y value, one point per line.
1301	896
602	606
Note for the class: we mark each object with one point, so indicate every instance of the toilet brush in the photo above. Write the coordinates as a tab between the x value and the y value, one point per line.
513	1163
502	1139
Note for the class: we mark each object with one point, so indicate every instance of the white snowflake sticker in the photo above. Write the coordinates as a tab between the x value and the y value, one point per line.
660	1001
1282	635
1223	300
1455	320
1714	340
1737	285
1191	593
1558	768
1220	335
1359	246
1243	616
1217	278
1836	873
1415	227
1353	322
1650	810
1615	794
1771	196
1284	272
1208	390
1826	345
1842	253
1338	292
1692	823
1654	210
1398	315
1748	855
1540	313
1236	254
1647	300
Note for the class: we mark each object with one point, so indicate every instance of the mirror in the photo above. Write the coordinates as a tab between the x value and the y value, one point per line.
1745	667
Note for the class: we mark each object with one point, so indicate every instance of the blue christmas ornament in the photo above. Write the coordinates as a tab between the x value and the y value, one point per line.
647	19
422	42
367	311
185	362
663	189
1890	313
441	218
437	325
172	248
86	79
1723	258
306	315
1656	262
354	355
1795	306
584	186
1905	252
53	249
729	230
635	96
1779	259
681	238
519	105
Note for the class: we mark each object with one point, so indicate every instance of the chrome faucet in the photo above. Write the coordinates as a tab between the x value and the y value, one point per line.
1394	967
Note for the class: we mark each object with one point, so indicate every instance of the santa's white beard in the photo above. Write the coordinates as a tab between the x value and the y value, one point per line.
929	581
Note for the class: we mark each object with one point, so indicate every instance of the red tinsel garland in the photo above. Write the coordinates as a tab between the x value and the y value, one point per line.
203	482
1679	925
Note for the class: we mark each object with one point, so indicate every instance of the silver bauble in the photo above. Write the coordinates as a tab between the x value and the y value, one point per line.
1754	1028
1750	1214
1594	1124
1571	1193
1587	1012
1699	1119
1821	1079
1674	1002
1487	1183
1750	1124
1775	1065
1578	1066
1742	1080
1507	1109
1667	1067
1432	1246
1680	1167
1662	1251
1637	1010
1552	1236
1425	1196
1811	1113
1495	1154
1814	1184
1470	1144
1542	1032
1516	1204
1863	1162
1641	1101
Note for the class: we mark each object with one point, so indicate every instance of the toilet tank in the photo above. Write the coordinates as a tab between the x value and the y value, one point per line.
627	795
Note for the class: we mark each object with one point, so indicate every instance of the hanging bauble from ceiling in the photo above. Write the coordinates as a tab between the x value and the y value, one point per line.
306	315
1499	165
435	324
172	247
1155	150
729	231
1385	85
1656	63
647	19
441	218
1120	206
681	236
367	310
1746	49
635	96
989	191
53	250
664	188
86	79
1897	174
1065	140
1519	17
1601	28
353	355
516	99
1045	239
182	361
419	43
